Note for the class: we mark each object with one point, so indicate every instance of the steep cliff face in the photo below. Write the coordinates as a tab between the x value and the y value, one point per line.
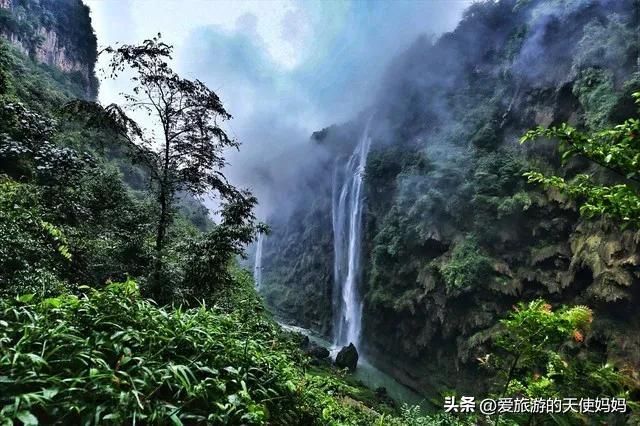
454	234
53	32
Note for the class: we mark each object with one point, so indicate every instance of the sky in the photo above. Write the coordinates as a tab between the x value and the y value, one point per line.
283	69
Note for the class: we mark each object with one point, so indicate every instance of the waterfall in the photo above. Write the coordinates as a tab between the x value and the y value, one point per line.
347	228
257	266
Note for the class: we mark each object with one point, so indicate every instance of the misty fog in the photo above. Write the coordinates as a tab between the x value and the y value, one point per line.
283	69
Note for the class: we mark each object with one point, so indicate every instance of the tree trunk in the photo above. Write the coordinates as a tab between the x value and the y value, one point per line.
164	198
512	370
156	281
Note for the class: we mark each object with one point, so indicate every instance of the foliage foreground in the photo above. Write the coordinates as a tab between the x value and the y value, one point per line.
110	357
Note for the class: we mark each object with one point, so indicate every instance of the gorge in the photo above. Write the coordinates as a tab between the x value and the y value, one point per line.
452	235
445	192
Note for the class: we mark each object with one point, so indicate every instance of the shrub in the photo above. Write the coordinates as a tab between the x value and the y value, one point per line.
541	354
487	137
33	252
595	90
517	203
468	266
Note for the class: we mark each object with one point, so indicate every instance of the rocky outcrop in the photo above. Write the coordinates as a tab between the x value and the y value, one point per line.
58	34
51	51
314	350
347	357
612	258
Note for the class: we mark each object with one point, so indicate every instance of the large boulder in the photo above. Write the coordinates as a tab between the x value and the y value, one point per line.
347	357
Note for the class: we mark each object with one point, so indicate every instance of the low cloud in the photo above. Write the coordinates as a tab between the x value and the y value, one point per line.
276	106
283	69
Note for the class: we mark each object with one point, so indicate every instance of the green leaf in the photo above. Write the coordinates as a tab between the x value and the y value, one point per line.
52	302
175	420
26	298
27	418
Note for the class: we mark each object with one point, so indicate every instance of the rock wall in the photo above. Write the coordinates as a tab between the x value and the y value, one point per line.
54	32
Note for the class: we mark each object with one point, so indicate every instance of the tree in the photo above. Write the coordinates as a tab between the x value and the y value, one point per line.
538	349
188	153
616	149
208	263
533	333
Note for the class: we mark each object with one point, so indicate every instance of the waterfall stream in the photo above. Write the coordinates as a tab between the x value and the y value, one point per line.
347	228
257	266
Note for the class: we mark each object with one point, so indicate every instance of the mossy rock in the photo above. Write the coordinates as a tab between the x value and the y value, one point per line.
610	255
347	357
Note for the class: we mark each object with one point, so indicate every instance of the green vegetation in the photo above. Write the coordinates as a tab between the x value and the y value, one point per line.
29	246
187	157
55	197
468	267
78	341
110	357
594	89
41	87
29	21
544	344
537	355
122	302
614	149
460	103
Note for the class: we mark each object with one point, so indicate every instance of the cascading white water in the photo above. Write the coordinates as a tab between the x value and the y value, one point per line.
347	227
257	265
